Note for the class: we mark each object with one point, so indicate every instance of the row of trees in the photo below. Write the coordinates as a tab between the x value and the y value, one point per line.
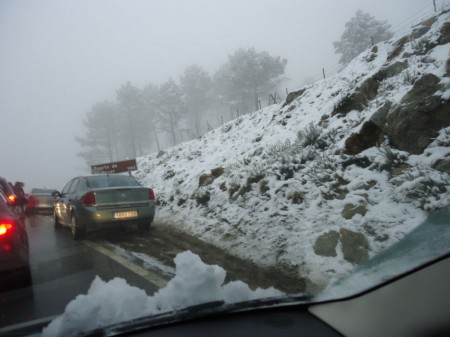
143	120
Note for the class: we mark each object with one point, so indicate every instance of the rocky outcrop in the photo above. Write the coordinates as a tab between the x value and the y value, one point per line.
355	247
293	95
370	135
419	116
351	210
359	99
207	178
445	34
326	243
398	48
421	113
442	165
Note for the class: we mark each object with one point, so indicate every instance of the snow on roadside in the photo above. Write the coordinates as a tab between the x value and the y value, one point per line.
274	195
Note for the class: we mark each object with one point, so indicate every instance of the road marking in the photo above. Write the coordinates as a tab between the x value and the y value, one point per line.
142	272
9	330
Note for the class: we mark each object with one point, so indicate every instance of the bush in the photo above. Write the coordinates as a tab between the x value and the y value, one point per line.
427	188
314	135
311	135
325	169
392	158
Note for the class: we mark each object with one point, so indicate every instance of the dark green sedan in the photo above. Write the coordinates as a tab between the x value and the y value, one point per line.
89	203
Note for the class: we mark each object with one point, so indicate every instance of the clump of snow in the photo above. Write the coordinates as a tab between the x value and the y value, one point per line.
115	301
286	181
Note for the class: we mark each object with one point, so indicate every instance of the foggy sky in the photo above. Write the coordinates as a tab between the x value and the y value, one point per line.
58	58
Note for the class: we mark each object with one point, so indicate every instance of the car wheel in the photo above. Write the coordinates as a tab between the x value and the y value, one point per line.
77	231
25	279
56	222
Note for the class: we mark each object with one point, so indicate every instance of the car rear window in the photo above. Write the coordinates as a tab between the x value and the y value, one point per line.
41	191
111	181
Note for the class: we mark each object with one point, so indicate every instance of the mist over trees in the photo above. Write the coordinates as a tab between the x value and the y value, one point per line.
360	32
198	95
247	76
155	117
158	116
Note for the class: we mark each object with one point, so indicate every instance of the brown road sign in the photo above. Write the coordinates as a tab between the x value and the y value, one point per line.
116	167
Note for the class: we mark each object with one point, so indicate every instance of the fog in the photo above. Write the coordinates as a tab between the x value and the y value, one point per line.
58	58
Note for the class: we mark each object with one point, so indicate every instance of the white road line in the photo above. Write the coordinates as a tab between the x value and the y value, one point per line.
144	273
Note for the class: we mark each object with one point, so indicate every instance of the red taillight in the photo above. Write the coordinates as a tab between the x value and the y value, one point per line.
31	202
6	227
88	199
151	194
12	199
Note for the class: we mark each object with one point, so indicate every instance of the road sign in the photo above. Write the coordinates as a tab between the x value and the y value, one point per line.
116	167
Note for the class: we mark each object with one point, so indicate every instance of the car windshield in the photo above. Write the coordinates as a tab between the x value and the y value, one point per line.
42	191
111	181
222	155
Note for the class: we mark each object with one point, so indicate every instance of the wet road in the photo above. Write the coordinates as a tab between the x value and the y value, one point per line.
61	269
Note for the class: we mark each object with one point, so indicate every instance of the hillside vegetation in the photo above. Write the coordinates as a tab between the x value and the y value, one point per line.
341	170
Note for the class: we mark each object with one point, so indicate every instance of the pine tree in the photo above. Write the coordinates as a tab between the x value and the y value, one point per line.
196	86
171	109
247	76
362	30
100	140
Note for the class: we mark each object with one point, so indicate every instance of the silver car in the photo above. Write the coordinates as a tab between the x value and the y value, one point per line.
40	200
89	203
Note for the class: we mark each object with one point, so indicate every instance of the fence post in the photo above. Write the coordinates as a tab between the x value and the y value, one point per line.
323	72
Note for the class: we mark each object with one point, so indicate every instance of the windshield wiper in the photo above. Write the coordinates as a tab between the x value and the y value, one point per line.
195	312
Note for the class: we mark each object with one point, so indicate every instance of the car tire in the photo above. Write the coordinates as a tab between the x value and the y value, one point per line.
56	222
75	228
26	279
21	279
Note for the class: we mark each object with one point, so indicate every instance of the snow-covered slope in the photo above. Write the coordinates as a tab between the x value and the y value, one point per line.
279	187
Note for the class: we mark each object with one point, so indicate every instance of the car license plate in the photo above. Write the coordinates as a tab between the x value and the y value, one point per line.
125	215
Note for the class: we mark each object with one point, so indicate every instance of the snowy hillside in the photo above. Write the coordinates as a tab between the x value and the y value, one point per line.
304	186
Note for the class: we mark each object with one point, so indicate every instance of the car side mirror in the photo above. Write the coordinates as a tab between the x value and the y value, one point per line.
56	194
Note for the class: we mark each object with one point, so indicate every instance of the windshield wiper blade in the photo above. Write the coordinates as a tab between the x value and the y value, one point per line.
196	312
164	318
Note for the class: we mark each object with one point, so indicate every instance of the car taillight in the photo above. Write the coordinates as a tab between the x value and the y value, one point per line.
31	202
151	194
88	199
6	227
12	199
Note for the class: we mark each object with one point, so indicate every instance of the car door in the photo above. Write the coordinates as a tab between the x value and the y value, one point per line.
63	204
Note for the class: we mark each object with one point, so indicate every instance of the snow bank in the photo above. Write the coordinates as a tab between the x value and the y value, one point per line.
276	195
115	301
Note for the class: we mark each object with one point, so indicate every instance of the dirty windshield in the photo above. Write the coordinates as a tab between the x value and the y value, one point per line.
213	151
